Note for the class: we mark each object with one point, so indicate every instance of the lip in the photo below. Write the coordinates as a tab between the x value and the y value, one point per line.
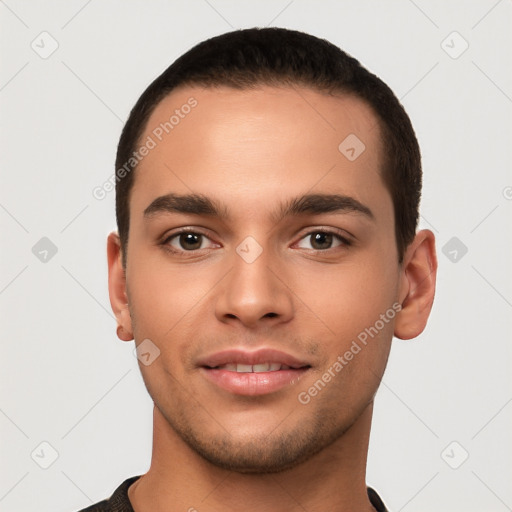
252	383
262	355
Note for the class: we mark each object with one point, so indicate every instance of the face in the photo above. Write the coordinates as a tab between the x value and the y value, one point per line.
271	291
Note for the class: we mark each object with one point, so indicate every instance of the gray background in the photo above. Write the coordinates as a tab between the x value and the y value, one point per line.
68	381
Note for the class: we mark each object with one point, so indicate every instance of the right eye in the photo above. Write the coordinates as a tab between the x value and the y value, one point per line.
187	241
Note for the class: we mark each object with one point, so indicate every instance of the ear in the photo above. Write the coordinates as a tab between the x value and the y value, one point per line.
417	285
117	288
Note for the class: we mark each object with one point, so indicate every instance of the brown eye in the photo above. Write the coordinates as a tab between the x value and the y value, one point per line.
190	241
187	241
322	241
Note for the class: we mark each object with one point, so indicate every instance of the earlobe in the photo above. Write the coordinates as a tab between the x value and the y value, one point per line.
417	287
123	335
117	288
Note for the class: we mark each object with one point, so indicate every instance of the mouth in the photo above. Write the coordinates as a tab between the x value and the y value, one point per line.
254	373
254	368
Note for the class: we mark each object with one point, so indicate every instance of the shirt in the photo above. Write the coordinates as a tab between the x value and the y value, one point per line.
119	501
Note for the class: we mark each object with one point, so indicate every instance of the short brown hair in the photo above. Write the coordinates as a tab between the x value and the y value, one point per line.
244	59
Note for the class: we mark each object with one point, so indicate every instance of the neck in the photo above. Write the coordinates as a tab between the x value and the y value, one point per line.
180	479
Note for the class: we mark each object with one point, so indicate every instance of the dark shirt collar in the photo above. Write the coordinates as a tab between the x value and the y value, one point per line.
119	501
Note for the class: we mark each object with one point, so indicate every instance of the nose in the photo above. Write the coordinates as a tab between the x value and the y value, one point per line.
255	294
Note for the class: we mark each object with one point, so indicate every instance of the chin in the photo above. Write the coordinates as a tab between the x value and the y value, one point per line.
262	454
253	458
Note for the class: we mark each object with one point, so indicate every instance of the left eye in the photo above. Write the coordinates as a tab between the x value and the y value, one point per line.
187	241
322	240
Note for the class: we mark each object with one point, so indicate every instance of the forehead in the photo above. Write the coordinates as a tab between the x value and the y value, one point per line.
247	145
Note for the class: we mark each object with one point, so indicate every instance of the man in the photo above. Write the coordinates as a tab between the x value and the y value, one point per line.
267	202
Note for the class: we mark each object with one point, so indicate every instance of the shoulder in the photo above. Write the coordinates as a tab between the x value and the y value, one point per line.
376	501
118	502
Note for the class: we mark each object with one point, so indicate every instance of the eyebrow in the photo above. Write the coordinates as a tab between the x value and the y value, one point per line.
313	204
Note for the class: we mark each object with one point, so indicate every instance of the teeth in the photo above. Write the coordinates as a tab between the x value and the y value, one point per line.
256	368
261	367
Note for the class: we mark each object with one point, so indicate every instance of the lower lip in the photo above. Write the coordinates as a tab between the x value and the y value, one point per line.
253	384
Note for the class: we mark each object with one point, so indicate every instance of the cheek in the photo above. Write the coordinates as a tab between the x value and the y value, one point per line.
171	306
162	294
349	298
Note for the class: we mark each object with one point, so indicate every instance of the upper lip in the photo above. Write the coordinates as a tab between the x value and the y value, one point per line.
259	356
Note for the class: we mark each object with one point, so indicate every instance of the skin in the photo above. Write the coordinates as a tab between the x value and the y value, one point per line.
250	151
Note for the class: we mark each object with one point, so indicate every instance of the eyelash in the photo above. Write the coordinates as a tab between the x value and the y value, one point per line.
344	240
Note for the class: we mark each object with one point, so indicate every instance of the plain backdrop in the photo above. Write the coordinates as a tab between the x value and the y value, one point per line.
70	73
